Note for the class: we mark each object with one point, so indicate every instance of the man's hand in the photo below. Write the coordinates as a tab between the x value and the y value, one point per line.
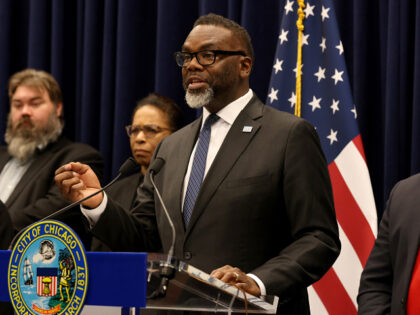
238	278
76	181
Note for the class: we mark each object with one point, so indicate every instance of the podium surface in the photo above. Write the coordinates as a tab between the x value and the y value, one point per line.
194	290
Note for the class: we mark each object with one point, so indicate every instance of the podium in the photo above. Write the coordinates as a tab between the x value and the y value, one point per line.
120	279
194	290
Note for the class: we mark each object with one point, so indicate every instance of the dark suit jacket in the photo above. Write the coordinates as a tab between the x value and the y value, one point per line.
124	192
386	278
265	206
36	195
6	227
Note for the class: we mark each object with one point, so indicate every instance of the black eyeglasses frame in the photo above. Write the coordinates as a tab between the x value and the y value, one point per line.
179	56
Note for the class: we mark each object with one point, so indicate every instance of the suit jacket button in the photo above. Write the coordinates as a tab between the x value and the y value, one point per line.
187	255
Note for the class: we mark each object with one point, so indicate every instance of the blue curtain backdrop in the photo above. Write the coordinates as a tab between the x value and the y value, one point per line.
106	54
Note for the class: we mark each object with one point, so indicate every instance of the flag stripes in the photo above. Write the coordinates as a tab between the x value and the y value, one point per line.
333	295
341	266
350	216
352	166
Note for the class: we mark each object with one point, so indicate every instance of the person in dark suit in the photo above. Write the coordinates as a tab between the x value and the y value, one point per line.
35	148
6	227
247	186
390	282
154	118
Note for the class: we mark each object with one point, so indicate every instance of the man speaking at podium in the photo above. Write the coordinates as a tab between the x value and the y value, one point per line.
246	186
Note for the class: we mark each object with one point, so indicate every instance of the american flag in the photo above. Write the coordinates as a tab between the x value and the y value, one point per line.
328	104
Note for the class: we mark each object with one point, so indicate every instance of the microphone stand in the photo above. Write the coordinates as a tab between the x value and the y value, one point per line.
166	269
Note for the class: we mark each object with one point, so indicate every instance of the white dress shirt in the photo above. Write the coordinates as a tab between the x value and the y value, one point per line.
10	176
227	116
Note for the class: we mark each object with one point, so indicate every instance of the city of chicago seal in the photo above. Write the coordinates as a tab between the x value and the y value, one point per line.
48	271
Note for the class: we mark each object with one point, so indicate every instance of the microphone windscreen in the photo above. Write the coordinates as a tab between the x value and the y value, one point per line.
156	165
128	166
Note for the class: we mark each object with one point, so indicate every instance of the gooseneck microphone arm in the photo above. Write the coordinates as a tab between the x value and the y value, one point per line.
129	165
154	169
167	269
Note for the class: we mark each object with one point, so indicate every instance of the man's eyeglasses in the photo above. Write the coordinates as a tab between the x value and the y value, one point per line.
204	57
149	131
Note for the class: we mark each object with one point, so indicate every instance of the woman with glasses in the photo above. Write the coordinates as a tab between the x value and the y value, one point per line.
154	118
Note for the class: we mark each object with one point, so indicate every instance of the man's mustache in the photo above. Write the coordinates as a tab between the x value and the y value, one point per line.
24	120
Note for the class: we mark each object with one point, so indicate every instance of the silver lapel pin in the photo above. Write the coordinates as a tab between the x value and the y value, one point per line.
247	129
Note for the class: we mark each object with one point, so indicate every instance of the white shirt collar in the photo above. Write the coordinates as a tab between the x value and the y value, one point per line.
231	111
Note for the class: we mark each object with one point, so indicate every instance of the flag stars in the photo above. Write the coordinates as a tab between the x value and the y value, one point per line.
305	39
324	13
332	136
288	7
334	106
323	44
338	76
283	36
309	10
320	74
278	65
273	95
315	103
340	48
292	100
295	70
354	111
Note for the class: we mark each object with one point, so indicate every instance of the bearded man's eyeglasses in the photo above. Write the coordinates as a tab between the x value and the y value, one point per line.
204	57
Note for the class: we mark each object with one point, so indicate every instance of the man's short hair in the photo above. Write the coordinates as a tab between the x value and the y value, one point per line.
166	105
37	79
235	28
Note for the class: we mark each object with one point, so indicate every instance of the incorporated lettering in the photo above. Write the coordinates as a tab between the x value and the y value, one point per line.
14	289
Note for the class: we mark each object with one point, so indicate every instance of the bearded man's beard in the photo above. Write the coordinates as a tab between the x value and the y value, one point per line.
197	99
25	137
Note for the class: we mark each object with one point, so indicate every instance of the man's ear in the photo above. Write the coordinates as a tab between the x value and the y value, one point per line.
245	67
59	108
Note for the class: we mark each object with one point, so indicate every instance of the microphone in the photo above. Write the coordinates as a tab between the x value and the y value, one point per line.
128	166
166	269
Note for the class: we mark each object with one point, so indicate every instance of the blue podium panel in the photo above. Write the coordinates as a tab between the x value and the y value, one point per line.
4	266
115	279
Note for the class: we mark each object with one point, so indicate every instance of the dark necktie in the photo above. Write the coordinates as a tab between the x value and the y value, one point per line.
198	167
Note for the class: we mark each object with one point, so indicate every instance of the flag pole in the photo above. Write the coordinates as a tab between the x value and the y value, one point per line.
300	27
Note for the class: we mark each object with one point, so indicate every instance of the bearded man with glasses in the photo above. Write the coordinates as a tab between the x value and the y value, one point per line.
247	186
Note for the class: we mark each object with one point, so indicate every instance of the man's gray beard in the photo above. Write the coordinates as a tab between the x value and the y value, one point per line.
198	100
22	143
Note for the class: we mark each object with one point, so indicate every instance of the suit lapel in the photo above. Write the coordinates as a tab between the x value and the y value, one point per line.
4	158
235	143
